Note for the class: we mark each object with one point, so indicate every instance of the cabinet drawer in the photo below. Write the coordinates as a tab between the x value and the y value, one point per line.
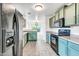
72	52
61	40
73	45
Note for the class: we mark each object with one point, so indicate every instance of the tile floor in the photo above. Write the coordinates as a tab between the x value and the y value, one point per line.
38	48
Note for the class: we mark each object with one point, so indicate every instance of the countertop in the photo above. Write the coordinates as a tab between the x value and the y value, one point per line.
55	31
73	38
28	30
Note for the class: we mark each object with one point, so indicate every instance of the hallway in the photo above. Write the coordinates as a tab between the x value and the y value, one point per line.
38	48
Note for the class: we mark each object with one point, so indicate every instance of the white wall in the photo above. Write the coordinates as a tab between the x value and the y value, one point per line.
29	21
42	22
47	22
42	33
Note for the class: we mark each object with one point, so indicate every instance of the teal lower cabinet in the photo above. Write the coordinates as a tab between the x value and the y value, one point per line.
62	47
32	36
48	38
67	48
72	52
73	49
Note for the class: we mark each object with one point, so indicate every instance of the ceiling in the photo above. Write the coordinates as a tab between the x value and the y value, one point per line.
26	8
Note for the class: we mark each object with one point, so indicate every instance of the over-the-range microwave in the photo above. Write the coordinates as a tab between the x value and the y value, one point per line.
60	23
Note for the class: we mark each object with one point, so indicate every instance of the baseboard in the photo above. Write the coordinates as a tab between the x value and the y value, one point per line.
32	40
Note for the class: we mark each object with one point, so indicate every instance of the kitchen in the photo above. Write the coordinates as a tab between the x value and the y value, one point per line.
45	29
66	42
62	30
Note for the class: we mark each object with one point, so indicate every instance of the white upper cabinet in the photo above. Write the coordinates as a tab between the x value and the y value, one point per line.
70	15
57	16
77	13
61	13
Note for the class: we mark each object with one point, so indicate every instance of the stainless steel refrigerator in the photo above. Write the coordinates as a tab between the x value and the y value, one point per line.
10	31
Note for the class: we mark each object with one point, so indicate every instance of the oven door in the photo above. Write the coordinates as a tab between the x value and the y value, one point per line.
54	42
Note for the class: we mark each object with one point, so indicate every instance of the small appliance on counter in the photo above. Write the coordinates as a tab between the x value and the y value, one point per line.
64	32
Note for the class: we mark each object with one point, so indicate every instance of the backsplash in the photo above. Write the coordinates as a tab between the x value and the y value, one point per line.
56	29
75	30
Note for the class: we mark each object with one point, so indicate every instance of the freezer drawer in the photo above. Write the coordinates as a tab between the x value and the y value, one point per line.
9	51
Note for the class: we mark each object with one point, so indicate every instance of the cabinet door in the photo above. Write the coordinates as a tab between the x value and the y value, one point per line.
73	49
62	50
51	22
73	45
72	52
61	13
62	47
70	15
77	13
48	38
32	35
57	16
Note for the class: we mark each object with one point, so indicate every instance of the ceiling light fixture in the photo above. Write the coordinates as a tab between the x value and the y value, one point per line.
38	7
